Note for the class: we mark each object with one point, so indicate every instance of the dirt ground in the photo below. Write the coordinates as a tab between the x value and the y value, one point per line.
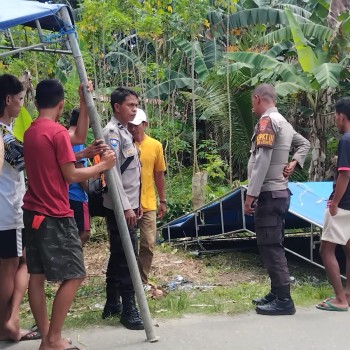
168	264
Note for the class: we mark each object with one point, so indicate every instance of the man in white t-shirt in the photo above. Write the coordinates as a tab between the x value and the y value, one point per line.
13	270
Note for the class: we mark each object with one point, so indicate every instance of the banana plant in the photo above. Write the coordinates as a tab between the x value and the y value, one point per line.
309	68
204	60
324	76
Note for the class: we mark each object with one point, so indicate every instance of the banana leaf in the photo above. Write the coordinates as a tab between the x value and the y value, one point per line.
22	123
307	58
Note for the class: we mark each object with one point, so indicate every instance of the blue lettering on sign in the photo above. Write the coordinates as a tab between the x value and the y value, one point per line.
114	143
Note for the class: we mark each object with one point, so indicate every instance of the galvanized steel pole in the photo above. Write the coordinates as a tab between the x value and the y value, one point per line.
112	187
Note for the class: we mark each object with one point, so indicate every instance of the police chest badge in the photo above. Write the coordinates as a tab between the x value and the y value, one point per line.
265	136
114	143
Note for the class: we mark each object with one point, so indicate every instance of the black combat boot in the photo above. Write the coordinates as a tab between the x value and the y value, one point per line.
282	305
265	299
277	307
113	306
130	317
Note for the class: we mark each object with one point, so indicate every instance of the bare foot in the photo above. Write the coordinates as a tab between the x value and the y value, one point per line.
11	332
60	345
347	295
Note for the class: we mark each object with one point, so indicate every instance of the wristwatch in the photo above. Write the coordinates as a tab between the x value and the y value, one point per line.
164	201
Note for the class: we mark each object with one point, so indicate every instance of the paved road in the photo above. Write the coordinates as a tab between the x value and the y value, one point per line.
308	329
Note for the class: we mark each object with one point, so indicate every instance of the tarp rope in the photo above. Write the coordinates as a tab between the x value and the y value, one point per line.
53	37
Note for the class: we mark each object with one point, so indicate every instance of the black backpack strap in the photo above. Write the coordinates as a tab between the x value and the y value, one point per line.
126	164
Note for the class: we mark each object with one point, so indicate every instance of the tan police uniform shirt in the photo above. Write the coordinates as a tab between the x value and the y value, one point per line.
272	141
121	142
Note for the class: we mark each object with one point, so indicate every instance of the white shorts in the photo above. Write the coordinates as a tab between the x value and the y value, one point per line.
336	229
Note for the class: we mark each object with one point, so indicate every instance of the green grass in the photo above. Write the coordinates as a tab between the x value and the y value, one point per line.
309	288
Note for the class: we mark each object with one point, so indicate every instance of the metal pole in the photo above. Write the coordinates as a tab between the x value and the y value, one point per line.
41	48
40	31
22	49
196	224
112	188
308	260
10	36
312	243
222	218
242	206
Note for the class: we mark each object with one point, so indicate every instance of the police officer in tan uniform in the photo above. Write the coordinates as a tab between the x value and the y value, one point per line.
124	103
268	196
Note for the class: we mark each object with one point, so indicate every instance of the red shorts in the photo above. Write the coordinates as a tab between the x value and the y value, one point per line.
81	214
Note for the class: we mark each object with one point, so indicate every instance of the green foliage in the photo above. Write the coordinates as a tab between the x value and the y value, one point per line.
307	57
179	198
211	161
310	30
98	230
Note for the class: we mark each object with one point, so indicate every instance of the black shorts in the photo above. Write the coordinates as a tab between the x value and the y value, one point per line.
81	214
53	247
269	216
11	243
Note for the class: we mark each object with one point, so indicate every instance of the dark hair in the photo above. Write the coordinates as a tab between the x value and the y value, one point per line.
49	93
9	85
343	106
265	91
74	117
120	94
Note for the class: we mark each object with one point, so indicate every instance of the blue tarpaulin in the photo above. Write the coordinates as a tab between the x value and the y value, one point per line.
308	202
16	12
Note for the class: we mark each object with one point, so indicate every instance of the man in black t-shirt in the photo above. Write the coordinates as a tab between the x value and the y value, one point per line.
337	216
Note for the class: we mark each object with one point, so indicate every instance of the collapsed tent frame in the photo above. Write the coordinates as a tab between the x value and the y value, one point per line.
191	234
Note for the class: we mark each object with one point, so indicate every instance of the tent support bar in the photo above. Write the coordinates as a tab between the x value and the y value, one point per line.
10	37
308	260
222	218
36	47
111	177
40	31
242	206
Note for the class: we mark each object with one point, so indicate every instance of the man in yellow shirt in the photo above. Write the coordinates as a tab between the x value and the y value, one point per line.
152	177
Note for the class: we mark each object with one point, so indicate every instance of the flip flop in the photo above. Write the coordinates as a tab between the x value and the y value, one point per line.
33	334
326	305
331	298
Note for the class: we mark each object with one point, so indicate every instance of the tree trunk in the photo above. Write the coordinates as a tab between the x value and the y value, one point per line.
199	184
229	98
319	124
319	146
335	9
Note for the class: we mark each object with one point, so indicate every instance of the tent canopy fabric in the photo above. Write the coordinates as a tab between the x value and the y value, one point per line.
309	200
22	12
308	203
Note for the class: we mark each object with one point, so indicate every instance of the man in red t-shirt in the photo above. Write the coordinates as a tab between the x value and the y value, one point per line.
54	250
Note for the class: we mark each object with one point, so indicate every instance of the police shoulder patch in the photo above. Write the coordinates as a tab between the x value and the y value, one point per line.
114	143
265	136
